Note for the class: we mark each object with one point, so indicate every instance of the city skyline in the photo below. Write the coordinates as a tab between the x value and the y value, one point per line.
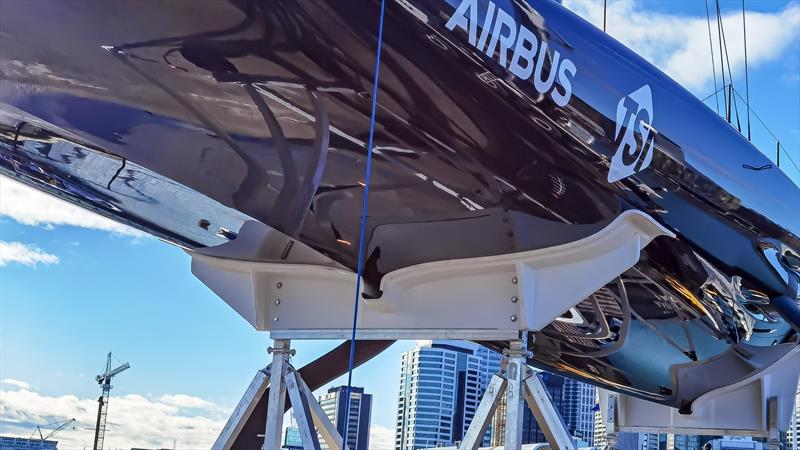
574	401
441	385
442	382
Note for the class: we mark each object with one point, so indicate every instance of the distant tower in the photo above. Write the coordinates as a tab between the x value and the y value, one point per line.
687	441
357	436
441	385
578	409
573	399
599	440
291	439
792	438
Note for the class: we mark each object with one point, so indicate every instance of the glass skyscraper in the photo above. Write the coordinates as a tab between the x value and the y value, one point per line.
441	385
291	439
578	400
357	437
573	399
794	425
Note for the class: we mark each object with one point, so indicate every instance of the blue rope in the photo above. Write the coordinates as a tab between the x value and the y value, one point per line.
363	232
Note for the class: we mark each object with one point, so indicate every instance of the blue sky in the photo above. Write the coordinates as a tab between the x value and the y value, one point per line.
674	36
135	296
93	287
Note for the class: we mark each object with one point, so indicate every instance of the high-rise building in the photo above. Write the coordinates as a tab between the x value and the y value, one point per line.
578	402
642	441
632	441
291	439
599	437
554	386
793	442
441	385
687	441
333	404
574	400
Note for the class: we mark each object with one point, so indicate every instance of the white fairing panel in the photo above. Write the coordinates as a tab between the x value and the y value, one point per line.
738	409
504	293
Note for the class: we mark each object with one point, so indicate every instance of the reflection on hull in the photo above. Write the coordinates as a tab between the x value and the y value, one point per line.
215	113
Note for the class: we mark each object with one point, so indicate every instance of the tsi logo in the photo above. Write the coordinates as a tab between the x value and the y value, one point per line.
633	134
529	56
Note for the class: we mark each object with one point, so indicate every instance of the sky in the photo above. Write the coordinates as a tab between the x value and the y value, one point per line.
74	286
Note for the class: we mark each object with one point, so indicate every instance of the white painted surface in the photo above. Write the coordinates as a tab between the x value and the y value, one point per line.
737	409
464	294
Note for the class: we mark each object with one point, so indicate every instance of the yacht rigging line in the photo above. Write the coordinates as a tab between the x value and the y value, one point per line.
721	61
746	75
712	95
724	47
362	232
777	141
713	65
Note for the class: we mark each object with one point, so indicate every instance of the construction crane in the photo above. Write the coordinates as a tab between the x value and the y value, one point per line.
104	380
59	426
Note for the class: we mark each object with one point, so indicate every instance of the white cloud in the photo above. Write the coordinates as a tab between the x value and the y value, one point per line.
17	383
28	206
381	438
678	44
27	255
133	420
186	401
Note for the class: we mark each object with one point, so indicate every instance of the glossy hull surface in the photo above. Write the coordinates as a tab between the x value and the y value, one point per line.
185	119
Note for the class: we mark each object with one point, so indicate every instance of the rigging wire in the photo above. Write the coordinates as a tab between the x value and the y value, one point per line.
605	8
746	75
778	141
713	64
724	46
363	228
781	147
733	92
713	94
721	62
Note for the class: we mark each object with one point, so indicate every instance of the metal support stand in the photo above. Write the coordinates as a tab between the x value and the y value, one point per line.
277	394
611	422
774	439
520	384
281	379
516	374
611	440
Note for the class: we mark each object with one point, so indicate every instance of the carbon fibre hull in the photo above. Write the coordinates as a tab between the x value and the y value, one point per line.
186	119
